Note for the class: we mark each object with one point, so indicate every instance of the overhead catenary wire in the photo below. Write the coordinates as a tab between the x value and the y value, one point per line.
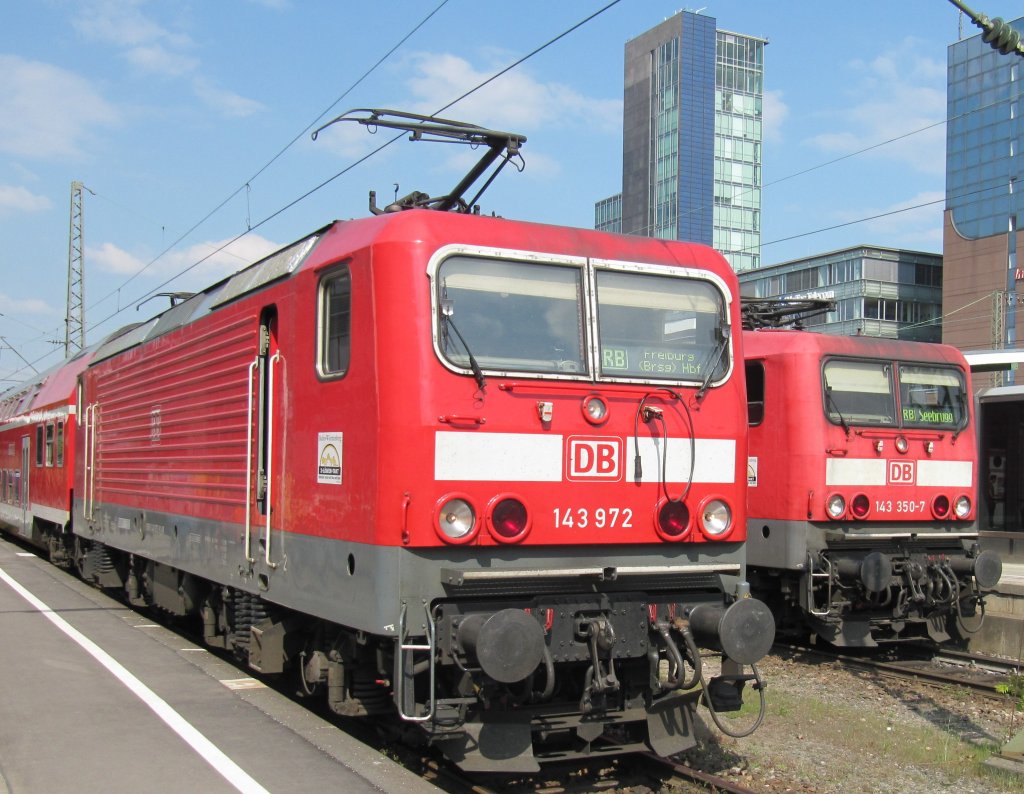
248	183
450	104
365	157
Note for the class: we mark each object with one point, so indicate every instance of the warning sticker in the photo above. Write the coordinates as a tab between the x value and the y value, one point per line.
752	472
328	466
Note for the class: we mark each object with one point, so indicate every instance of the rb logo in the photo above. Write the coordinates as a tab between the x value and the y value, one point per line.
593	458
902	472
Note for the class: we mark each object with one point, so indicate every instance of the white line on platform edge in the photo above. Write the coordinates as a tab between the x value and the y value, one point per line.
210	753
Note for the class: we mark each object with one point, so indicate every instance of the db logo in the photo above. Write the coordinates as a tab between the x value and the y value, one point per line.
902	472
593	458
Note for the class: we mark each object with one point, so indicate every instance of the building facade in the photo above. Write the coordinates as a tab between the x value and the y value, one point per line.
887	292
982	229
691	141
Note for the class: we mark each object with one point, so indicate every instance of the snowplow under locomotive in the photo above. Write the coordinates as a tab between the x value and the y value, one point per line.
862	487
480	474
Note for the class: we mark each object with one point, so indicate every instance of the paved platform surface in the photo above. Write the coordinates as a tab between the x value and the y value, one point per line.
94	697
1002	632
1012	580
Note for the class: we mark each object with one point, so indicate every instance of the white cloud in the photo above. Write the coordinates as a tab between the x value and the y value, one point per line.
225	102
9	305
145	43
109	258
151	47
915	222
158	59
18	199
207	262
515	101
46	111
898	99
774	115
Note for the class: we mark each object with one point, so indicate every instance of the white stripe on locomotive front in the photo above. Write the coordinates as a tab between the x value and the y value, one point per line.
872	471
531	457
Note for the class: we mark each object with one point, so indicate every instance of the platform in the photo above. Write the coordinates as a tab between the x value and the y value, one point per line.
96	697
1002	633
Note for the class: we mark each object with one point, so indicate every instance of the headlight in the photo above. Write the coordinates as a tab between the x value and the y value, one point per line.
716	518
456	519
962	506
835	506
595	409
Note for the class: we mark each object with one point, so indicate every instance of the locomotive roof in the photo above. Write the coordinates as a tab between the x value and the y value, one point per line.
769	342
412	227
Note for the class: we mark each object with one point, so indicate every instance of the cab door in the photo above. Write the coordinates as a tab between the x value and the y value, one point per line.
23	490
266	414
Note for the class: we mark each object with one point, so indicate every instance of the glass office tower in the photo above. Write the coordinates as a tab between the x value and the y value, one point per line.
691	144
984	196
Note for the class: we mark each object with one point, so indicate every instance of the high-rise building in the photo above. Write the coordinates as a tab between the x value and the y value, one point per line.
691	142
983	235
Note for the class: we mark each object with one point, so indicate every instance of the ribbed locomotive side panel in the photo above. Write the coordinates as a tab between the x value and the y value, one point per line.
172	425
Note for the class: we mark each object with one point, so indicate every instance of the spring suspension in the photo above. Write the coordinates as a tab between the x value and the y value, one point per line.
244	611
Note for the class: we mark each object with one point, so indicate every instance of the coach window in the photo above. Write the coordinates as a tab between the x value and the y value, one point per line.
60	443
39	445
49	443
334	323
755	393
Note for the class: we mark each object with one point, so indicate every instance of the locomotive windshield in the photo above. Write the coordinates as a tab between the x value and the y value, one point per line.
659	327
900	395
512	316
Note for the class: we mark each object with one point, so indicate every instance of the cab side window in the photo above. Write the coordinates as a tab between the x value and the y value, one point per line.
755	393
334	306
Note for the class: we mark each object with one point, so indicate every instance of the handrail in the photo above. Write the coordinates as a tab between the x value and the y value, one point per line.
270	448
249	463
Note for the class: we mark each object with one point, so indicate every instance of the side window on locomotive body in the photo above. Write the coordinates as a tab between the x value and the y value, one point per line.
755	392
334	323
39	445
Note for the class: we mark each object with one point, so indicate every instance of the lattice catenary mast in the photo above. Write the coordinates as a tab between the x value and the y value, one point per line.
74	321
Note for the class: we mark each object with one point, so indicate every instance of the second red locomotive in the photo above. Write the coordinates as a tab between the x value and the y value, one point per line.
862	484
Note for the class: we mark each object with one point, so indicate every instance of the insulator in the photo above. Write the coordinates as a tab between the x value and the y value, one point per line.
1001	36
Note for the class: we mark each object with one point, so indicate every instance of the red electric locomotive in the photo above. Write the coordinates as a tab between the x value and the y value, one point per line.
483	474
862	481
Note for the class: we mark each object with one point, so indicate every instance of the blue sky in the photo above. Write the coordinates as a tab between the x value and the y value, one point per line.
168	110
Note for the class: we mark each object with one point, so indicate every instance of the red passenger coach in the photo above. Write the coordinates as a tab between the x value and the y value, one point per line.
862	480
482	473
37	452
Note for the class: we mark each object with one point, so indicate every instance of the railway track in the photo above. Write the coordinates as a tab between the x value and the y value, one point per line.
977	673
642	771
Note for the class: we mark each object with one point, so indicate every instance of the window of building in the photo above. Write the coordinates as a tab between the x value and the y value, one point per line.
334	323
